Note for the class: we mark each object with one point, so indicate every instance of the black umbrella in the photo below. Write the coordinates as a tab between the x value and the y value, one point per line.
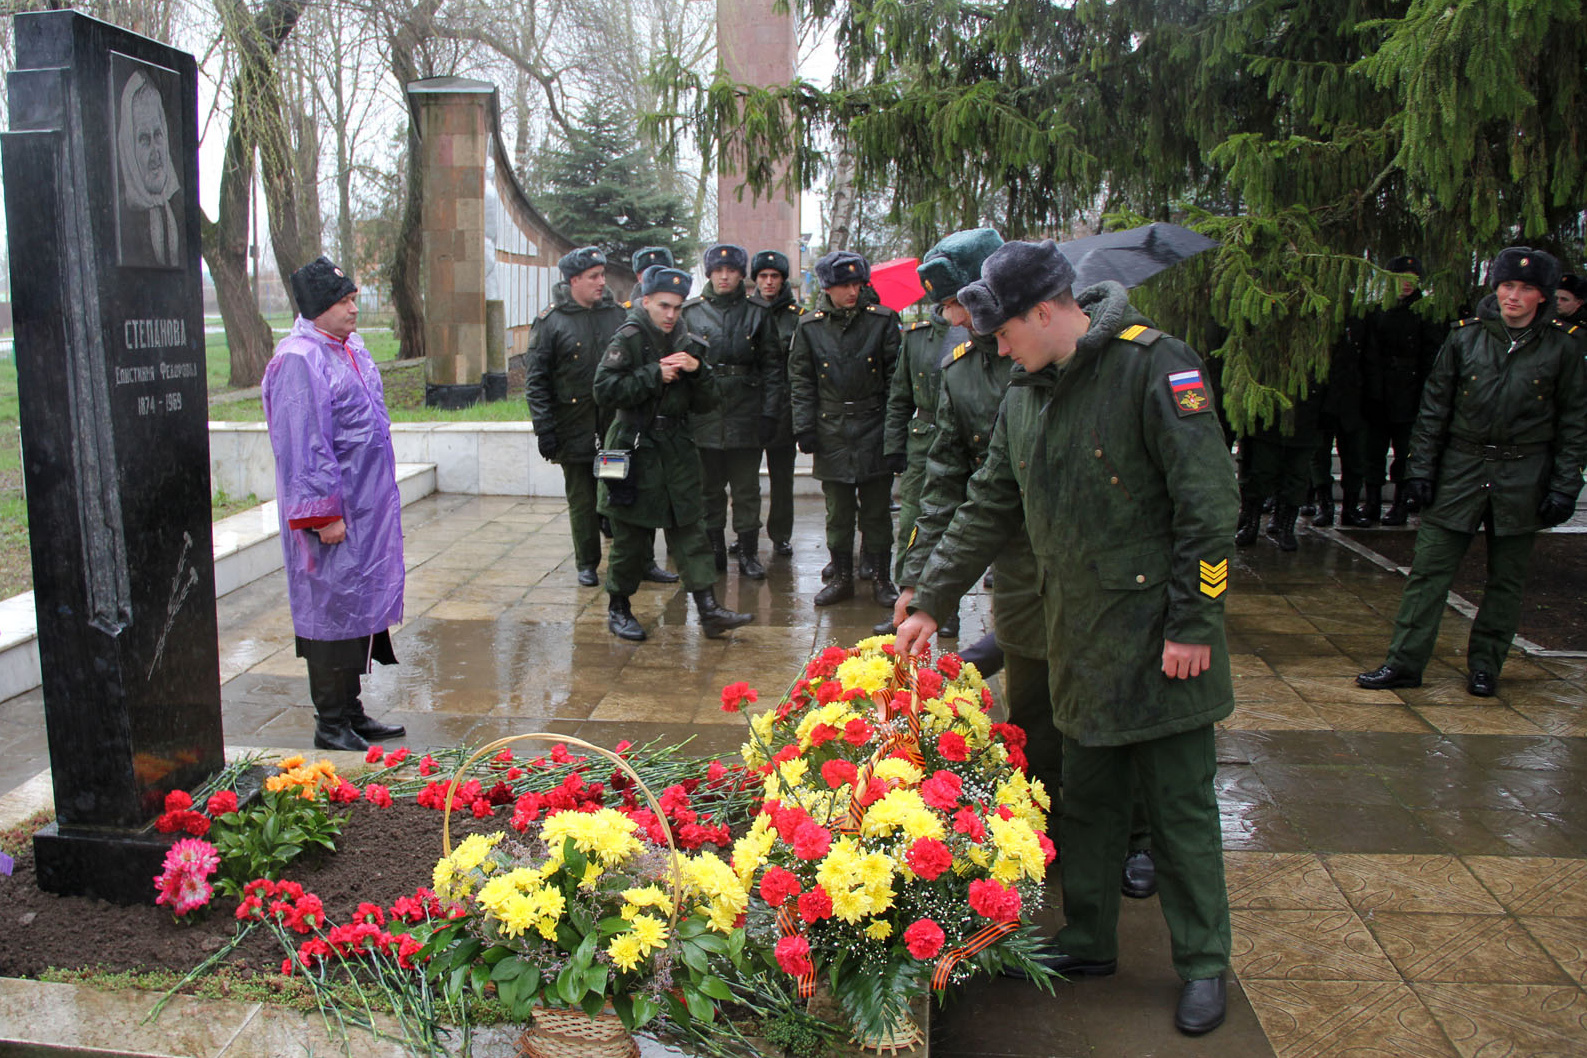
1132	256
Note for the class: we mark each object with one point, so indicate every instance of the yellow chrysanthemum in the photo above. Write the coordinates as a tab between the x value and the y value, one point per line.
722	895
1018	850
636	900
879	930
472	850
605	834
792	772
294	761
651	931
899	770
874	643
624	950
833	714
859	884
1022	798
978	855
751	850
869	674
905	810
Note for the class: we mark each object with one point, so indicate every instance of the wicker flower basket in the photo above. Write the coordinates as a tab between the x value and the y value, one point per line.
559	1032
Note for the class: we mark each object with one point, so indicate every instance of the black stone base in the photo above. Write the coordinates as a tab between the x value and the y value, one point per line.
451	397
115	865
495	385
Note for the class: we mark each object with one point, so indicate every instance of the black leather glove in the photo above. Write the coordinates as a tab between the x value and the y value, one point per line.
897	462
768	430
1556	508
806	441
547	443
1418	493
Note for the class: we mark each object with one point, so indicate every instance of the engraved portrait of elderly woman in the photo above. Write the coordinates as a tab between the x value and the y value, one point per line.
149	206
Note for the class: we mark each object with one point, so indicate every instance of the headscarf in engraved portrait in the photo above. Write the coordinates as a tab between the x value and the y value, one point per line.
149	205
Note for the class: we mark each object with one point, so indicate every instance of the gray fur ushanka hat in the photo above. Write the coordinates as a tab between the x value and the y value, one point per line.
1014	279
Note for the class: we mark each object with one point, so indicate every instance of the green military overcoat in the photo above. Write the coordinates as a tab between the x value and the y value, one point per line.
741	347
1117	465
974	379
565	346
785	313
652	419
912	394
1531	398
838	373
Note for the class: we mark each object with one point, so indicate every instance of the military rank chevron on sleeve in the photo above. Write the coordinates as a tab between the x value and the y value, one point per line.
1214	578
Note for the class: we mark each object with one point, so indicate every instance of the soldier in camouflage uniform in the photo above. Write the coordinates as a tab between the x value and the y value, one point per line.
654	379
843	357
1499	446
1108	453
769	270
565	347
742	349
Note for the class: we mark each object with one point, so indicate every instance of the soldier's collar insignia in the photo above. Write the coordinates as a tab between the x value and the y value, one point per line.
1189	392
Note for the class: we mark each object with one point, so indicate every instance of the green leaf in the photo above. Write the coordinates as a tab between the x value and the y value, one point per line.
714	943
478	978
570	984
530	981
494	955
595	979
696	959
507	992
623	1006
716	988
700	1007
506	969
593	1003
735	946
645	1009
612	924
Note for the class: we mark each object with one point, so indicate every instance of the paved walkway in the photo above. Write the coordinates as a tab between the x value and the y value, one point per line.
1408	869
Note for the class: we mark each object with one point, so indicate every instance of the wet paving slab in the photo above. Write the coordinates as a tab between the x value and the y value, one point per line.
1407	869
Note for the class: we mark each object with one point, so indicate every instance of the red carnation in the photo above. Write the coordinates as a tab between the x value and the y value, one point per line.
560	754
822	734
482	808
406	950
928	683
195	823
307	913
428	766
924	939
991	899
966	822
344	794
811	842
986	699
857	732
942	790
793	955
839	772
950	665
396	757
378	795
715	772
829	692
1012	734
374	755
1049	851
815	905
952	746
777	885
928	858
178	801
221	803
736	695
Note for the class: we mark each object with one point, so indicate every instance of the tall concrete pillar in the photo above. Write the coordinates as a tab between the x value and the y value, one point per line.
758	46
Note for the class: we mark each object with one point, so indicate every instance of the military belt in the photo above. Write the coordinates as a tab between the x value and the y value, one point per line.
729	370
1494	453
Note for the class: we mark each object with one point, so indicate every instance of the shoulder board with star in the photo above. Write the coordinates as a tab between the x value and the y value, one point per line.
1467	322
628	304
881	310
1140	334
795	308
955	354
917	326
816	315
1568	328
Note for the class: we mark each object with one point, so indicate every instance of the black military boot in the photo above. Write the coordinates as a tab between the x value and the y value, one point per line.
718	538
949	629
1250	515
782	547
1281	530
1309	508
884	628
1325	513
841	586
1396	514
716	619
882	589
828	571
1350	511
748	556
332	728
620	619
368	729
1372	509
656	575
866	570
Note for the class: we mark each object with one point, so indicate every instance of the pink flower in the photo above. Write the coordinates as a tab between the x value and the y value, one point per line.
924	939
952	746
378	795
344	794
793	955
191	854
991	899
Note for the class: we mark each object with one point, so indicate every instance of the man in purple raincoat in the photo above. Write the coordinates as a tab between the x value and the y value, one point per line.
336	489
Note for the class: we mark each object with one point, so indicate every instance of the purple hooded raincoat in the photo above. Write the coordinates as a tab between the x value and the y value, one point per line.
326	410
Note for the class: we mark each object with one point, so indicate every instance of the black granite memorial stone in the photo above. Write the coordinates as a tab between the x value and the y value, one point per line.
101	184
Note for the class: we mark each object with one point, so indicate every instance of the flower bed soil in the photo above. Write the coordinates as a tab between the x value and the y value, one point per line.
382	854
1552	613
